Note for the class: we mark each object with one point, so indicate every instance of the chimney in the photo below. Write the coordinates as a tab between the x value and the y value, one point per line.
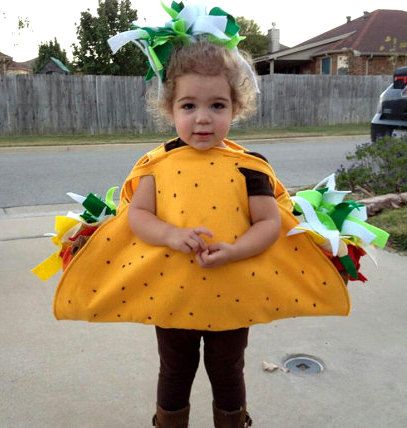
274	38
348	19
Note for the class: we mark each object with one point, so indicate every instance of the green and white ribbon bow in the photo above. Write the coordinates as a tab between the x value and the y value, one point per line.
188	23
326	213
96	209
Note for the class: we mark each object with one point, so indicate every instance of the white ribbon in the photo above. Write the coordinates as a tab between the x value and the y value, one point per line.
313	223
119	40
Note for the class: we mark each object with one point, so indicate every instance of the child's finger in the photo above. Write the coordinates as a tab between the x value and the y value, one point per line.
195	243
203	230
198	258
215	247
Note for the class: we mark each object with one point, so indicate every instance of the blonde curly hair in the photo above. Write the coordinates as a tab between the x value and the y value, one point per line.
209	59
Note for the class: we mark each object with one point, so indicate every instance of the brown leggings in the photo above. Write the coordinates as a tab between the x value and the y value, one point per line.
179	359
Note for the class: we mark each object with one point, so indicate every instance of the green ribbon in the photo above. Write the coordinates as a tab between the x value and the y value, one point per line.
95	206
349	266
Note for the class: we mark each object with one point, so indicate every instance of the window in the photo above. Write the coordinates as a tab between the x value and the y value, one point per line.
326	65
343	64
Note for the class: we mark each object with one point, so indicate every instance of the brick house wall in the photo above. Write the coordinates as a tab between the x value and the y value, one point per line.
363	65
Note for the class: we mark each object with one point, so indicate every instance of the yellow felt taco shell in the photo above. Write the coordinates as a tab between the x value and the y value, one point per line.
116	277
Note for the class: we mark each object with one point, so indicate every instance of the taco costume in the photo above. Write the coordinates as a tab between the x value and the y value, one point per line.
116	277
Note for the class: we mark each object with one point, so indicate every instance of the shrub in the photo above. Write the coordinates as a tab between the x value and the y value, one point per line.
379	167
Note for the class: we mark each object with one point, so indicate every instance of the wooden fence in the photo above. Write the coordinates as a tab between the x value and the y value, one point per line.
58	104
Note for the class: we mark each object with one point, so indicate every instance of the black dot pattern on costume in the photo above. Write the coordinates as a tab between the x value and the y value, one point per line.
236	163
269	302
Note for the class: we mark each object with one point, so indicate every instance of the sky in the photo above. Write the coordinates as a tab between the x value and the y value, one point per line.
298	20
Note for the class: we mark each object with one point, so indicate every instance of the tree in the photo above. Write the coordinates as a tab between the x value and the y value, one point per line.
93	55
48	50
255	43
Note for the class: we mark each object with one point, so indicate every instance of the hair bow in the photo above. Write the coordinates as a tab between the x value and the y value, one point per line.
187	25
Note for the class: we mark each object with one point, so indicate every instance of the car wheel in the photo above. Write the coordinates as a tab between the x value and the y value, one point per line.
380	131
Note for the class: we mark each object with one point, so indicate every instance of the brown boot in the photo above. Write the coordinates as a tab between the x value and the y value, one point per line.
237	419
171	419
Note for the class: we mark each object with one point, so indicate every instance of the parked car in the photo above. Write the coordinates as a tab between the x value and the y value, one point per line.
391	116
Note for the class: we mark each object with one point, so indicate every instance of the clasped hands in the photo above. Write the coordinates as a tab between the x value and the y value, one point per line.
188	240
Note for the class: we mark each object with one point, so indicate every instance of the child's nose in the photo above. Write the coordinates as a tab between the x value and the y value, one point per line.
203	116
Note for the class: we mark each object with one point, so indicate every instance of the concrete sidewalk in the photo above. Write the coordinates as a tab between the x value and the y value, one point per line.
74	374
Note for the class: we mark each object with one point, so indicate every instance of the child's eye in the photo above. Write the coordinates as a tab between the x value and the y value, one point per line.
187	106
218	106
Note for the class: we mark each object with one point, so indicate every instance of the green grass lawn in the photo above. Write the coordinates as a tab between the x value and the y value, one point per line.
393	221
241	134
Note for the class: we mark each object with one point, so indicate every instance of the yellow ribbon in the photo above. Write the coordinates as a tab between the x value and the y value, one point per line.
52	264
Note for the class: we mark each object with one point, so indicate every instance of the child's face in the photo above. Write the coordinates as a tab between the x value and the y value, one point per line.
202	110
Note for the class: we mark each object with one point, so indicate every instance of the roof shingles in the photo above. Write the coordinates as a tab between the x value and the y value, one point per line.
381	31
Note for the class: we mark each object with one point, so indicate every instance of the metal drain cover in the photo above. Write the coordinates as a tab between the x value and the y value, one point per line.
303	364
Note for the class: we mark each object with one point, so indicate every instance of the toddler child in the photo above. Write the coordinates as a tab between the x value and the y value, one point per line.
199	246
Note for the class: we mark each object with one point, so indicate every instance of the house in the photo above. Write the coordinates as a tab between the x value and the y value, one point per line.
10	67
54	66
375	43
19	68
5	61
